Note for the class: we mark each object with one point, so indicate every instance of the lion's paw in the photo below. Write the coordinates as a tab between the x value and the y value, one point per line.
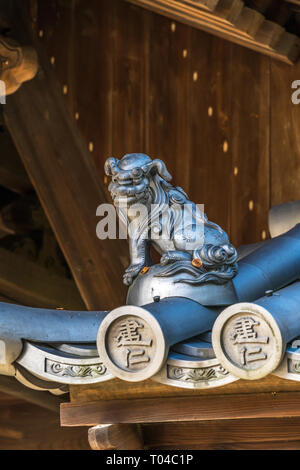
165	259
127	279
131	272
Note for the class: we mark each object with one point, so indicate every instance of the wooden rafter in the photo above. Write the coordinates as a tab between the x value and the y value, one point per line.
10	386
12	172
17	218
69	190
30	284
296	2
22	425
65	180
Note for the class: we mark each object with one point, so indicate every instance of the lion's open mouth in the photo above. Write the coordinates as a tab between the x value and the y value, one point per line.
128	193
123	200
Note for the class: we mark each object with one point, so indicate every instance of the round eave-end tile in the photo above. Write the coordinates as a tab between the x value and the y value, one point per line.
247	341
131	343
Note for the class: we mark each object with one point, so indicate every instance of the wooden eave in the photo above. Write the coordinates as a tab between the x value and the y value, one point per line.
235	21
258	414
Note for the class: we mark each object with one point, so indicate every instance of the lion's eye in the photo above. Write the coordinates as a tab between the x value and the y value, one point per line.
136	172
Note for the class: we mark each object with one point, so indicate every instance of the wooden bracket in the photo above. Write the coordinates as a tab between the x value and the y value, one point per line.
116	437
17	65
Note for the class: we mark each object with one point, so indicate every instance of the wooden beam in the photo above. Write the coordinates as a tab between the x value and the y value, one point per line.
272	445
12	172
295	2
17	218
223	434
30	284
26	426
7	300
160	410
117	389
65	179
115	437
13	388
231	23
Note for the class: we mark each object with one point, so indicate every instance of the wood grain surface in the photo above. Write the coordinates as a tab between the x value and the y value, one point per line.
175	409
220	115
116	389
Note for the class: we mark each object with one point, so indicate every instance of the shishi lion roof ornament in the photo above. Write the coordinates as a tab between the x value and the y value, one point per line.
193	250
175	328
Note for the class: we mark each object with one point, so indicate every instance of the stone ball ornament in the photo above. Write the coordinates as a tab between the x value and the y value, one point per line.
153	285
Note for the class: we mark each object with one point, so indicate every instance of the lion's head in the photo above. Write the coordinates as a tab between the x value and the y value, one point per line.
131	177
